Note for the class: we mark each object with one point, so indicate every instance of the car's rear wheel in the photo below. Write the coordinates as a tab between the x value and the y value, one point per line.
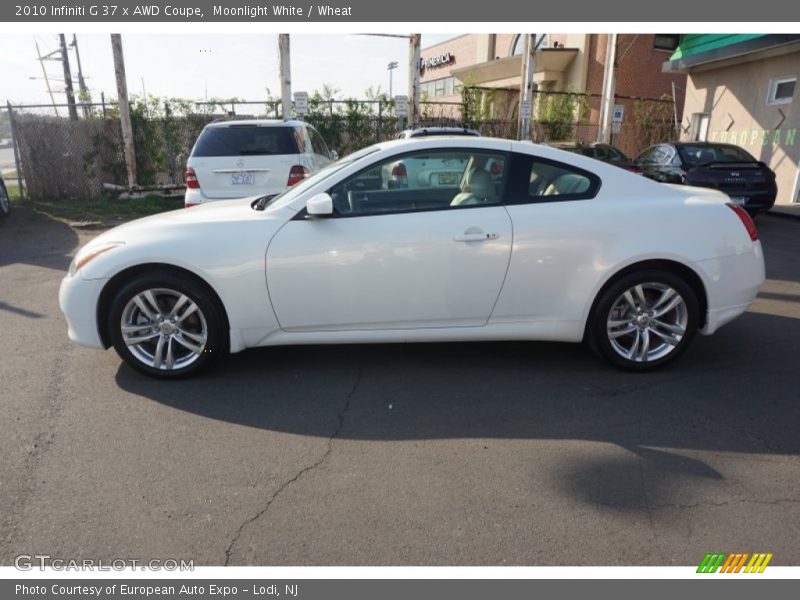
644	320
5	203
166	325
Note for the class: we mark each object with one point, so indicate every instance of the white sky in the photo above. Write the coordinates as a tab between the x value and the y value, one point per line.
181	65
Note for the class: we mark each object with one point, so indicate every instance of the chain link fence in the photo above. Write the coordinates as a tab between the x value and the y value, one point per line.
63	158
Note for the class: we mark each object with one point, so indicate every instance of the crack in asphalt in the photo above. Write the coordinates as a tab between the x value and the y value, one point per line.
340	422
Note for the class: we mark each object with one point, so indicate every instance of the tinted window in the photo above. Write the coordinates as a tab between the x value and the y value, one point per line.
317	143
535	179
698	154
245	140
419	181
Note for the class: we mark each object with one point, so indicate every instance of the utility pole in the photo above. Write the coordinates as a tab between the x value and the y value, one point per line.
529	48
124	109
607	100
46	78
73	110
84	90
286	75
414	49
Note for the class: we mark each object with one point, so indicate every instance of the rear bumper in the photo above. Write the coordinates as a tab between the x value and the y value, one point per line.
732	283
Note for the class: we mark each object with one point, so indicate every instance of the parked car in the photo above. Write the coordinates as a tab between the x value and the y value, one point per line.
566	248
5	203
235	159
599	151
749	183
428	131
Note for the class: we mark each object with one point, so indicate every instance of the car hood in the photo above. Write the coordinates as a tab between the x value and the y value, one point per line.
195	238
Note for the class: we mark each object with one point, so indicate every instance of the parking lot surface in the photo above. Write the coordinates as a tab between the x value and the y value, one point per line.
446	454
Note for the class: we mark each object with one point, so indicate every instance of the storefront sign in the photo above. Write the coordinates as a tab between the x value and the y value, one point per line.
755	137
434	62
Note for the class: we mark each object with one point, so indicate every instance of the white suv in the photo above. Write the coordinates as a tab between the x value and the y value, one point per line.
236	159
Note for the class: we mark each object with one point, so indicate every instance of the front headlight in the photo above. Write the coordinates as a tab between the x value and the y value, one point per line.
87	253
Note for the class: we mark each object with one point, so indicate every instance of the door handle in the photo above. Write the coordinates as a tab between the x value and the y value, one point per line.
475	236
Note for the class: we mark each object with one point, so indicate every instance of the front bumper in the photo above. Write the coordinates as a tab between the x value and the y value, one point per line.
77	299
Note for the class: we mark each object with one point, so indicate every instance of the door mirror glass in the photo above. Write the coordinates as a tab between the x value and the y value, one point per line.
320	205
334	155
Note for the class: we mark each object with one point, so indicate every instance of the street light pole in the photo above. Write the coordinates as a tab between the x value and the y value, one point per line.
391	67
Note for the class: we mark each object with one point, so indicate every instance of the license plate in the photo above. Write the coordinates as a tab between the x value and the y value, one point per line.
447	178
740	200
243	178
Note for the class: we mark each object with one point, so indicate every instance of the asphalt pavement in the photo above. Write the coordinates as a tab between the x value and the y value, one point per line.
415	454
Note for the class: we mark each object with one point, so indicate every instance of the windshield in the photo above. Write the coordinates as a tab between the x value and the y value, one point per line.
289	194
703	154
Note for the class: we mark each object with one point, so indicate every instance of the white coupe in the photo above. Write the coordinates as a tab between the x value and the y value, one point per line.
527	243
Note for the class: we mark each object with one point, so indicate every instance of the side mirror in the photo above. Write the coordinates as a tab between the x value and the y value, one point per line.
334	155
320	205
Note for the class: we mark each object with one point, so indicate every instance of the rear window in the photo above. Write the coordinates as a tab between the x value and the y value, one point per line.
700	154
245	140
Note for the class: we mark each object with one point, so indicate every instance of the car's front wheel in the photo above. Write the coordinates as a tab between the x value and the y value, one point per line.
644	320
166	325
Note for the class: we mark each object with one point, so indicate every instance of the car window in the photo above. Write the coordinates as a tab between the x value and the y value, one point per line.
302	139
646	157
698	154
244	140
421	181
534	179
318	145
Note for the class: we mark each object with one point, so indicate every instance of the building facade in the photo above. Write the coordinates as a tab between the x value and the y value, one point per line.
563	63
743	90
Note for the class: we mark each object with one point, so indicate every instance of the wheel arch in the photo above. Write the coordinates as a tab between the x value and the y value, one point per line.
119	280
687	273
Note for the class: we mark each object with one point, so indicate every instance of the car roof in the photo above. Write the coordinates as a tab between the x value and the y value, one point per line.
258	123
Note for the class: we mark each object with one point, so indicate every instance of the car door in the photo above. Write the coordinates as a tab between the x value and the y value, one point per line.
416	257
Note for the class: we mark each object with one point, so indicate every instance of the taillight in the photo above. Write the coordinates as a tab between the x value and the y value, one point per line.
634	169
191	179
746	219
296	174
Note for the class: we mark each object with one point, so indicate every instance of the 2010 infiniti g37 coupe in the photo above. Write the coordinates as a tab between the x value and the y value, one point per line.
489	240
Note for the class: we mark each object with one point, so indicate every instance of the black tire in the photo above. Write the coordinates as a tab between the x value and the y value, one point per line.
5	202
207	320
598	335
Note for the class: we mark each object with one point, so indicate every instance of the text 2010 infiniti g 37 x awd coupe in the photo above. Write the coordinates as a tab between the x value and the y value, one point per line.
489	240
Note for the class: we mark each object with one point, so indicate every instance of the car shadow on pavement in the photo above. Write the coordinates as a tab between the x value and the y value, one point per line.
733	392
36	239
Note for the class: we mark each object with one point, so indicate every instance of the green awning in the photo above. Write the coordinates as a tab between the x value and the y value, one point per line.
704	48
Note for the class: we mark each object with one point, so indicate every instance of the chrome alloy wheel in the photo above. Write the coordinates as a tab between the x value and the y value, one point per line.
647	322
164	329
5	204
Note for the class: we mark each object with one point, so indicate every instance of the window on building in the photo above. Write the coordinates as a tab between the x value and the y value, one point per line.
781	90
700	126
666	41
438	90
448	86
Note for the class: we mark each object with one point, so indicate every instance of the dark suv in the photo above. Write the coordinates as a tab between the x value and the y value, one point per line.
728	168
